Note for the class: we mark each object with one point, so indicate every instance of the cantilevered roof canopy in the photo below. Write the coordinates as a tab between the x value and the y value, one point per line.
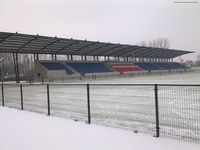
36	44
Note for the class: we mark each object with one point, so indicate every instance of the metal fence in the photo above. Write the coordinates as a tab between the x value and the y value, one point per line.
164	110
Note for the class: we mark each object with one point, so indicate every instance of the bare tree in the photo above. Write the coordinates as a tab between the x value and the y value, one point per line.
181	60
198	59
158	43
8	64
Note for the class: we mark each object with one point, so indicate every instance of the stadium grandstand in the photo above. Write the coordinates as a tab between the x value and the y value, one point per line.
88	58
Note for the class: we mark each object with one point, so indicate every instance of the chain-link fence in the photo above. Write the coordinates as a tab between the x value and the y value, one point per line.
164	110
179	107
69	101
126	106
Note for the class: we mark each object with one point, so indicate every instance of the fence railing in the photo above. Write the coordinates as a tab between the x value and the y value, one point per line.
158	109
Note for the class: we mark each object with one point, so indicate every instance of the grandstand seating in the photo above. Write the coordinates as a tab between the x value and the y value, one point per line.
172	66
99	67
122	68
84	68
56	66
149	66
160	66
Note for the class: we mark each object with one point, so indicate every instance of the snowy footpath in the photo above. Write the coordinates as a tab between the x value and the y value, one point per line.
22	130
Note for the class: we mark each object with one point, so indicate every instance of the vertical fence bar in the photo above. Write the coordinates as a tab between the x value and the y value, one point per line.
157	111
21	92
88	103
48	100
2	89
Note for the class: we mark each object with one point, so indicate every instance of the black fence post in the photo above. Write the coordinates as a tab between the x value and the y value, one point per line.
2	90
157	111
48	100
88	103
21	92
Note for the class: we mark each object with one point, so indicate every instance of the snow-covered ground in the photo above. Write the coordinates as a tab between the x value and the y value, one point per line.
191	77
21	130
129	107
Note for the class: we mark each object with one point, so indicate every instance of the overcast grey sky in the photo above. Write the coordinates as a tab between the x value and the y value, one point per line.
118	21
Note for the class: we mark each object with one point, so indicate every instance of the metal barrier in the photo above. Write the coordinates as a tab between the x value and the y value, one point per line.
159	109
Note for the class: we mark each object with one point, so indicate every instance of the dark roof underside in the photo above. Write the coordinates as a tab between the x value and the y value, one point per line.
36	44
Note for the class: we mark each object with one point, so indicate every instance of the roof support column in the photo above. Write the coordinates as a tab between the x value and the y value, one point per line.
52	57
71	57
16	67
118	58
36	57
